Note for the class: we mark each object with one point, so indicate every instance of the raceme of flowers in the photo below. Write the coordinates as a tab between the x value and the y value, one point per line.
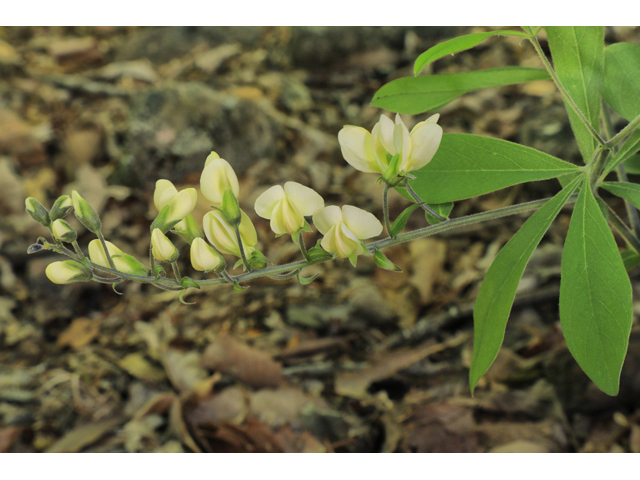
229	230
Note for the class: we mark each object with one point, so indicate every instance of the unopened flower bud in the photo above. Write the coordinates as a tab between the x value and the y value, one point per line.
123	262
37	211
223	236
188	229
87	215
68	271
63	231
61	208
204	258
162	248
217	177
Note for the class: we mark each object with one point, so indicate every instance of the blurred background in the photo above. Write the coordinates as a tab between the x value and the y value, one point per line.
360	360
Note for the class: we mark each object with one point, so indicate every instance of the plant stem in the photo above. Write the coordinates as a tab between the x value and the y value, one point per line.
169	284
106	250
176	272
623	230
632	212
241	248
385	208
563	91
423	205
303	247
633	124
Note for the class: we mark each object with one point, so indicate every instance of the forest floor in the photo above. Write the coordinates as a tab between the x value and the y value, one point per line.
361	359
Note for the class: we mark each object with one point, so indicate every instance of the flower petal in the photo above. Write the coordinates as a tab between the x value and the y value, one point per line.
357	150
328	242
164	192
220	233
432	119
182	204
216	177
327	217
345	243
247	230
362	223
268	200
386	134
212	156
277	224
402	140
306	199
425	140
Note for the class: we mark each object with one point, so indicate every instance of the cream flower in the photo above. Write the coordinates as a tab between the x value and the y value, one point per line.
162	248
344	229
203	257
182	203
68	271
223	236
217	176
367	152
123	262
63	231
286	207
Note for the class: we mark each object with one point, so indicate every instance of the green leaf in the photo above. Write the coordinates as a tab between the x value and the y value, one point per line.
442	209
470	165
318	254
498	289
189	282
628	191
382	261
595	295
305	281
621	87
628	149
400	222
632	164
630	259
421	94
456	45
578	58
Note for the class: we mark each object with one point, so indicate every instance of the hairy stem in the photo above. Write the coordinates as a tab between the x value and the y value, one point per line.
243	255
385	208
106	250
423	205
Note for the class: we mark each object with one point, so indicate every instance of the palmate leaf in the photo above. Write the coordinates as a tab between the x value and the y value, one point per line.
498	290
595	295
466	166
578	58
421	94
458	44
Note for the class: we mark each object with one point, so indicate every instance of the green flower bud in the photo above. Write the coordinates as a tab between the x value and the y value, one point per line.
61	208
390	175
87	215
63	231
188	229
230	208
37	211
68	271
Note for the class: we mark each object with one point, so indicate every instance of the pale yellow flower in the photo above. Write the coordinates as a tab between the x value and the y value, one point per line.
162	248
223	236
286	207
367	152
217	176
123	262
68	271
345	228
203	257
181	203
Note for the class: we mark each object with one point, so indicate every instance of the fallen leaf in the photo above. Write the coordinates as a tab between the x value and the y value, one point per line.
429	255
85	435
138	366
280	406
79	333
355	384
249	365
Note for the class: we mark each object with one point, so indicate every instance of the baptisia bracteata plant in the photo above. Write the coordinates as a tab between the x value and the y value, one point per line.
431	169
